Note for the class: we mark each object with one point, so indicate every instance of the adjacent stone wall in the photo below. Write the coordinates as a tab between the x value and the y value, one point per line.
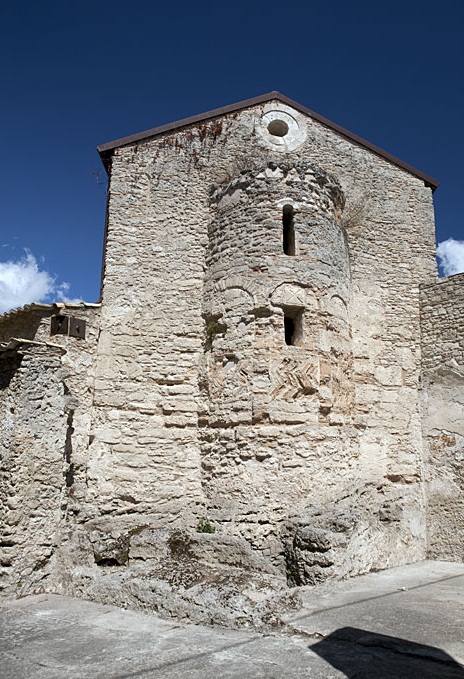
32	464
45	406
443	405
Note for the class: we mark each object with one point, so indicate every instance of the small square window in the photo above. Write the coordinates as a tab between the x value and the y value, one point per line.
59	325
77	328
67	325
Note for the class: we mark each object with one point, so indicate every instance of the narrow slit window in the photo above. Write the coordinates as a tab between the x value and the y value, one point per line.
288	230
289	327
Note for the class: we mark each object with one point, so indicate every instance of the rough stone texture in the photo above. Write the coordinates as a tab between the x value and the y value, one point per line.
45	415
32	466
268	387
212	579
443	362
196	286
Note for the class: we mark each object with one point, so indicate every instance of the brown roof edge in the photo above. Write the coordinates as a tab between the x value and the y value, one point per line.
105	150
39	307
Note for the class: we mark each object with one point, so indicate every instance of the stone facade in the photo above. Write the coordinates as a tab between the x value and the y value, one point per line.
255	368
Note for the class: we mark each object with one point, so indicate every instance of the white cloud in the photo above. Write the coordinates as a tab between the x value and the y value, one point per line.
61	294
22	282
450	255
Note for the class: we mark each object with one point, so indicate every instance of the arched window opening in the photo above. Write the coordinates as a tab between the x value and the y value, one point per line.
288	231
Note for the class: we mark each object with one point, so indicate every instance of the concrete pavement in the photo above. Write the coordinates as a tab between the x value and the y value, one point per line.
405	622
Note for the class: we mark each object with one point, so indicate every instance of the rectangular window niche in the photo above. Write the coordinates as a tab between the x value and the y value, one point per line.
293	326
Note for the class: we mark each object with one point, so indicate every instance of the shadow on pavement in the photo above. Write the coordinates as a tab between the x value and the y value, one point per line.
361	654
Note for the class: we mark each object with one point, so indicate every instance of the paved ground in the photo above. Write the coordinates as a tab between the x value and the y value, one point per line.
406	623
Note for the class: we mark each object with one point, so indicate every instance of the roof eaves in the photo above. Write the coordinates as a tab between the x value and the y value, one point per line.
27	308
105	150
35	306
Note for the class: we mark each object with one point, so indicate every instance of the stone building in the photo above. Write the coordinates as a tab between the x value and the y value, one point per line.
273	358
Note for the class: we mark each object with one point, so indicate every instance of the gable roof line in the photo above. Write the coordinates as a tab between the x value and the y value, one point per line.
105	150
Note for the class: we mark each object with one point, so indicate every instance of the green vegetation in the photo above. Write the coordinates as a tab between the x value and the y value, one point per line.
204	526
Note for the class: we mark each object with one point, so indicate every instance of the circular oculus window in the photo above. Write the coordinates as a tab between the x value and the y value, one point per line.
281	130
278	128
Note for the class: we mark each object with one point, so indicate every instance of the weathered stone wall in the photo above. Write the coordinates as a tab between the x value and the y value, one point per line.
200	406
443	405
255	368
45	406
262	399
32	465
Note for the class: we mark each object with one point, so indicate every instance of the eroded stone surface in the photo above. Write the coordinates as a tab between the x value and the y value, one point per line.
208	578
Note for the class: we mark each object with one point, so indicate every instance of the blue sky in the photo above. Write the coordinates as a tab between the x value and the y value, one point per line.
76	74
